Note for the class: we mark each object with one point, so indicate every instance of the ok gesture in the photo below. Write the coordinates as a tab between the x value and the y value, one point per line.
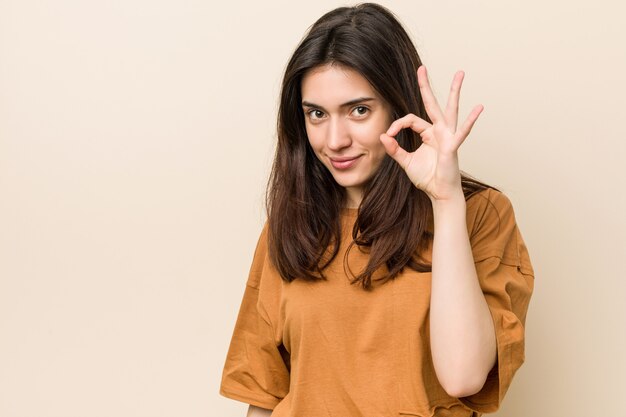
434	166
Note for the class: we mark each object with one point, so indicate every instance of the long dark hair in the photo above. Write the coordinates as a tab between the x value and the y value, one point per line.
303	200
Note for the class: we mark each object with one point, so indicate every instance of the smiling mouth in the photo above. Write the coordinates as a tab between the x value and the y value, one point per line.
344	163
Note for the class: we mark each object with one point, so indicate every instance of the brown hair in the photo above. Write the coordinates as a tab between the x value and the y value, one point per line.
303	200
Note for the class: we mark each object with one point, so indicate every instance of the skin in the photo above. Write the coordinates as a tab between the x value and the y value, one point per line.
344	117
254	411
462	334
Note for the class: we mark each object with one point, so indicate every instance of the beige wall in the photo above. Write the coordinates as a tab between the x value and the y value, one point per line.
135	142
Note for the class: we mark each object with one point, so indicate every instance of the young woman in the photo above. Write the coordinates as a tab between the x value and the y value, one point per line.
385	282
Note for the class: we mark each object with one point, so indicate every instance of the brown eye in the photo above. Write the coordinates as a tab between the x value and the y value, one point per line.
360	111
315	114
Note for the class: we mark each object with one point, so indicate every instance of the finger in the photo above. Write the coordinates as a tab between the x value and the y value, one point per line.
465	129
409	121
430	102
452	107
395	151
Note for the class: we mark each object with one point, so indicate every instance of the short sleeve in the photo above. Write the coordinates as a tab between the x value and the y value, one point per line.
507	279
256	369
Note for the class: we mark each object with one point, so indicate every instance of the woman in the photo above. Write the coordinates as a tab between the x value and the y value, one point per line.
384	282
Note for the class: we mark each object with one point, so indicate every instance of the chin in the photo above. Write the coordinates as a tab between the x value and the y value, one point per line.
348	182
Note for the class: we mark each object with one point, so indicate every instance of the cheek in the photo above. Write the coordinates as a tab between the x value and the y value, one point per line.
369	136
315	137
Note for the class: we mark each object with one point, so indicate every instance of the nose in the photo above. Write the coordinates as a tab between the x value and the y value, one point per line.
338	136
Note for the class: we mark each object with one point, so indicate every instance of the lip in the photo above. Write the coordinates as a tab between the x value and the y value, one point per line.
345	162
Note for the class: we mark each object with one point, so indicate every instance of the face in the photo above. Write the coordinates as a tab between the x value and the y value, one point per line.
344	118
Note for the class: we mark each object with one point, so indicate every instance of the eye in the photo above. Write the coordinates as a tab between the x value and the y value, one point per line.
315	114
360	111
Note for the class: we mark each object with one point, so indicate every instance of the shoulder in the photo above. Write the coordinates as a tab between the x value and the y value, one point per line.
259	259
487	206
491	225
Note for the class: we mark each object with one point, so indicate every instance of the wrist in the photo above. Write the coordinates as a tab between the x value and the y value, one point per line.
449	209
455	199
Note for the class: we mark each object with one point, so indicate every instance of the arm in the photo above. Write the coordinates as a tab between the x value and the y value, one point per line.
254	411
462	335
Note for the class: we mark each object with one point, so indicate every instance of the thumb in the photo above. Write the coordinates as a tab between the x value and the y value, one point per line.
394	150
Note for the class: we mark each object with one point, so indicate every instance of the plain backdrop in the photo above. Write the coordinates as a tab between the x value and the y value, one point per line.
136	139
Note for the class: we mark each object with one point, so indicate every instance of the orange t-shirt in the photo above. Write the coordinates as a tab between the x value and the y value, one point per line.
329	348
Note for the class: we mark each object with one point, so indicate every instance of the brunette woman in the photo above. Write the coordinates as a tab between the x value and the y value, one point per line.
385	282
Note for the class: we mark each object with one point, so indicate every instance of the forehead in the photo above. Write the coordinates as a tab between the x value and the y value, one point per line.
335	84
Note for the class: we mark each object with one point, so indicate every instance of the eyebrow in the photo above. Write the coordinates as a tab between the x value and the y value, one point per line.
346	104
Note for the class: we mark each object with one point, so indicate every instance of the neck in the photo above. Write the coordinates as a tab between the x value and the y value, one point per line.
353	198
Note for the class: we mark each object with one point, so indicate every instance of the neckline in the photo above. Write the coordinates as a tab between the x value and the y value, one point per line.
349	211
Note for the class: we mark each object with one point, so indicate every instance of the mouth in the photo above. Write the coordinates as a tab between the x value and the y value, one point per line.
345	162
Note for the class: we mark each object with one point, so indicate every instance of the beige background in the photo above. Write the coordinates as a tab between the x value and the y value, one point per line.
135	142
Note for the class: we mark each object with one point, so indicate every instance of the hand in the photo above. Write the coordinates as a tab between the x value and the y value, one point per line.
434	166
